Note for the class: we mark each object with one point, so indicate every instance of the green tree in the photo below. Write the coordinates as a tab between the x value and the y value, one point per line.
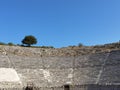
29	40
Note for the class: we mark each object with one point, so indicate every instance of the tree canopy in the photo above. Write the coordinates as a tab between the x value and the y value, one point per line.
29	40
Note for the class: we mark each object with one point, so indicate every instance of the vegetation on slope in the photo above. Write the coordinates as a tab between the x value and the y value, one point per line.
41	51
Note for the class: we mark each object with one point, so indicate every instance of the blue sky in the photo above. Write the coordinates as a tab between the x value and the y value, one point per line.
60	23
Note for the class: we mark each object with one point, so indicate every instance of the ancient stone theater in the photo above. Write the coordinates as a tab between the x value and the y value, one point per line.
71	68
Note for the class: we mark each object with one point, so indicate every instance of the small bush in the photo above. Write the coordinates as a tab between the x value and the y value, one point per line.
1	43
71	46
47	47
80	45
10	44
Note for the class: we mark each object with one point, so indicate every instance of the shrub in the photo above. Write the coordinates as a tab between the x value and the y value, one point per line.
1	43
80	45
10	44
